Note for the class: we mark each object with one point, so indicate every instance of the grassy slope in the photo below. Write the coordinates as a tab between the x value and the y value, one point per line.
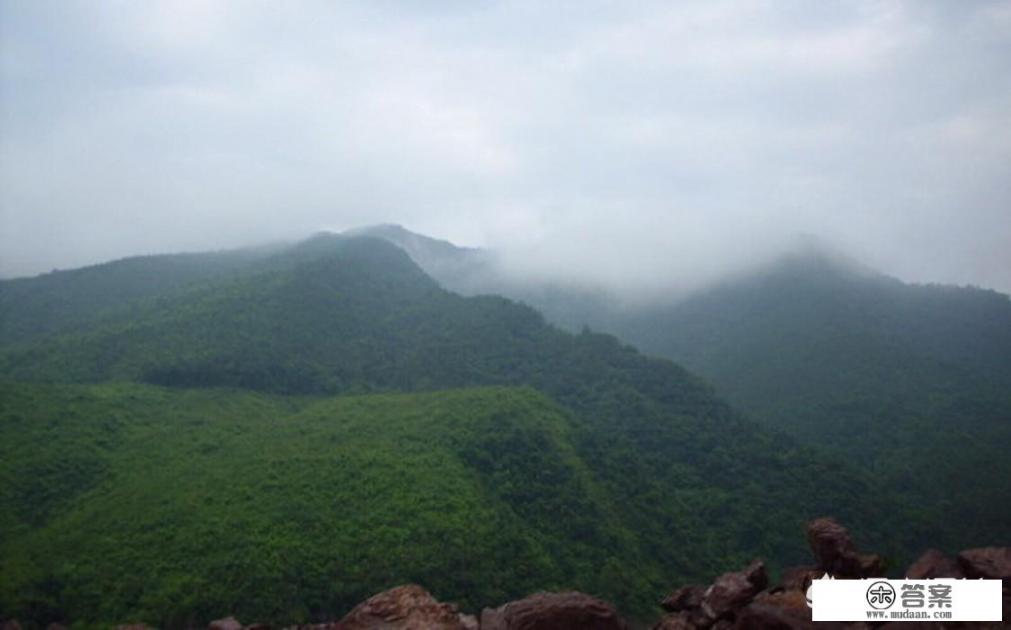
134	502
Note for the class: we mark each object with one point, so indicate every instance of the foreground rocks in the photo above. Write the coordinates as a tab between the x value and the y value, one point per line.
743	600
553	611
407	607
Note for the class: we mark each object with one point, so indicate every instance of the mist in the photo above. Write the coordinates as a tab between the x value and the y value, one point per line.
648	147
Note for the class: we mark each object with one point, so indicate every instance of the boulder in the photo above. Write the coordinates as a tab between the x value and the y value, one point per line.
684	598
933	564
407	607
10	624
679	621
228	623
830	543
762	617
732	591
799	578
756	574
835	552
986	562
553	611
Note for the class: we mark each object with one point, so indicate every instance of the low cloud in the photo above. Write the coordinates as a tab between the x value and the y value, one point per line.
648	145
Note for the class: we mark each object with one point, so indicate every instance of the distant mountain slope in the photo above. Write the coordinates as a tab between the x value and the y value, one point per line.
698	487
34	307
911	382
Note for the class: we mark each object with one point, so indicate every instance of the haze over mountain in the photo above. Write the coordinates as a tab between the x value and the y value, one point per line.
648	144
912	381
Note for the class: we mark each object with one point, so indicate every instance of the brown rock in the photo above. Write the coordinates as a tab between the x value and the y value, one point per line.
829	542
762	617
553	611
228	623
799	578
732	591
756	574
407	607
469	622
680	621
836	554
685	598
933	564
10	624
986	562
134	626
869	565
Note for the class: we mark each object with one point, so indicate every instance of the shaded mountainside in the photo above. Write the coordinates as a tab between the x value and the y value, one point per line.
657	468
914	381
910	382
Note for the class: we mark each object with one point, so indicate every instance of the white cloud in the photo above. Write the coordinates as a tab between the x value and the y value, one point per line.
601	138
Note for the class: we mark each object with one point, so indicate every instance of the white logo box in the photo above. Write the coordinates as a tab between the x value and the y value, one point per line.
879	599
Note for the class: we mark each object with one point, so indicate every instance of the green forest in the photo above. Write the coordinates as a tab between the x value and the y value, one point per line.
278	433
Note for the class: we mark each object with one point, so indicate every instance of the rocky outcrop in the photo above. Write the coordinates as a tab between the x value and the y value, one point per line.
553	611
988	562
684	598
934	564
743	600
408	607
228	623
836	554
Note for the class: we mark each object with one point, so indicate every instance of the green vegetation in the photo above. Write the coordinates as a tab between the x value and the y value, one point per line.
132	502
913	383
280	476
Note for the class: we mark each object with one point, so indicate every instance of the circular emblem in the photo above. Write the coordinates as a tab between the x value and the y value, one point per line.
880	595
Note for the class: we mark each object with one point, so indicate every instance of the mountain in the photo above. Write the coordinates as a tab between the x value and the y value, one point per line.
910	382
171	505
173	414
914	381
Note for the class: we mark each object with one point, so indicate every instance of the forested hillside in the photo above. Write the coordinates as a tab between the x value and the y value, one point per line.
655	478
911	383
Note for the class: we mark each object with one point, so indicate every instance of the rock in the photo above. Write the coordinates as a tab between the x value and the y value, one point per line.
762	617
407	607
137	626
986	562
869	565
830	543
732	591
933	564
553	611
10	624
756	574
228	623
469	622
836	554
680	621
799	578
685	598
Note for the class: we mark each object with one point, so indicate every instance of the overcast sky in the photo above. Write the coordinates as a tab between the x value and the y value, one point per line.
639	142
